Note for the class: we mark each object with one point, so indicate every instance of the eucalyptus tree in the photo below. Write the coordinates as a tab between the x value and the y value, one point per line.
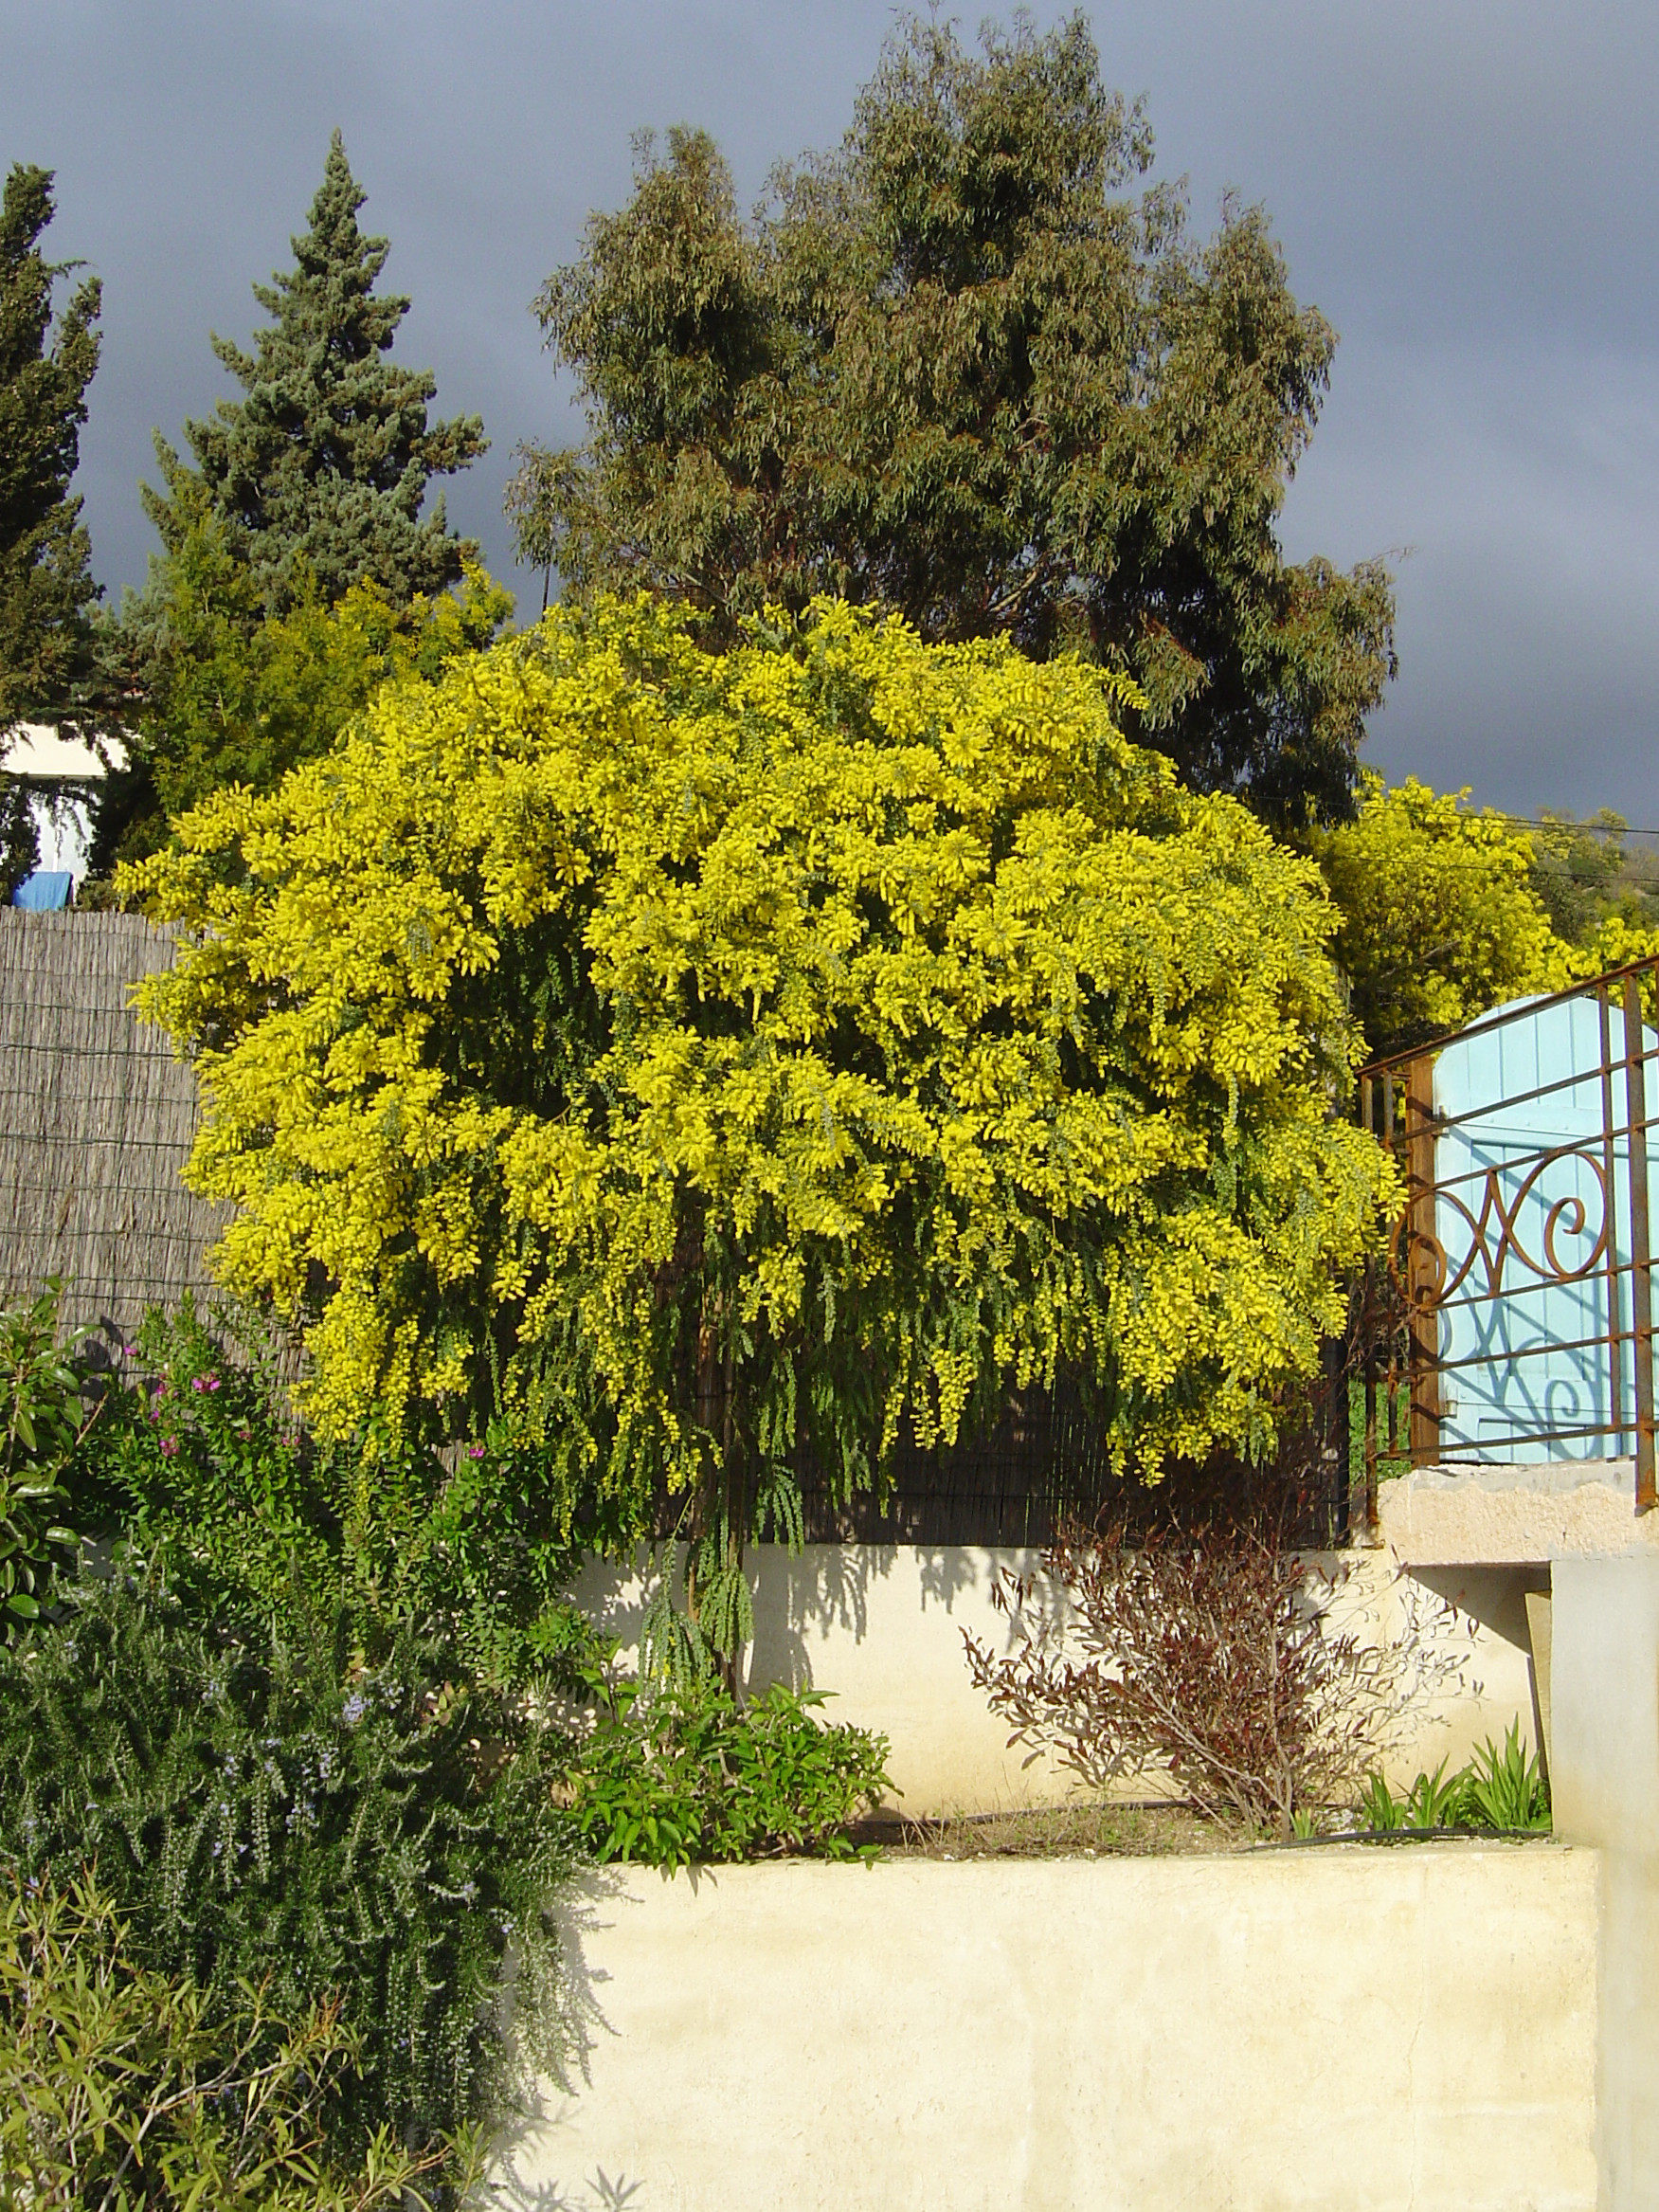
971	366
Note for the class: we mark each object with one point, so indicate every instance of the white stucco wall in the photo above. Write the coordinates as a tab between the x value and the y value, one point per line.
1342	2030
880	1628
61	772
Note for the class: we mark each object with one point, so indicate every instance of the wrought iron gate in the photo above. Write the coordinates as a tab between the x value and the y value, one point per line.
1514	1306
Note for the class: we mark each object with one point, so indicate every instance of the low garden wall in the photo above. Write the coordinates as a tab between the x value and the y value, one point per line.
879	1627
1345	2028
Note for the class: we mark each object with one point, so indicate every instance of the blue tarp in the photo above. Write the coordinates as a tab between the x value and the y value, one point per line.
44	891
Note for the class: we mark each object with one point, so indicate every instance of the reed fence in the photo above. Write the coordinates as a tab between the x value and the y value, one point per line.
95	1122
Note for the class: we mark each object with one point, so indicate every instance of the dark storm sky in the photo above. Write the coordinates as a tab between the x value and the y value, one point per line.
1470	192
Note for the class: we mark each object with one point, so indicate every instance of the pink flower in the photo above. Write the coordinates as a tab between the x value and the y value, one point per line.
169	1445
475	1451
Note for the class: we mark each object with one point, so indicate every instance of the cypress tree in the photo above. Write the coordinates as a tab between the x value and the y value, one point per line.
47	591
319	472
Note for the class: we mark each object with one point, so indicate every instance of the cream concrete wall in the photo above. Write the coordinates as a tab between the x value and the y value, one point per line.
1505	1516
880	1628
1605	1635
1345	2030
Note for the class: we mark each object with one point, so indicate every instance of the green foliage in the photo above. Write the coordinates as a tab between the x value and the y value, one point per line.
677	1772
668	1059
318	474
121	2088
1393	1412
232	696
1505	1788
46	589
1501	1788
43	1418
263	1807
1580	872
965	367
202	1461
1432	1801
20	843
194	1462
1448	911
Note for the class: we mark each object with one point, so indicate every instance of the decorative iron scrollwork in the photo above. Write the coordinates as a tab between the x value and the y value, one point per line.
1427	1280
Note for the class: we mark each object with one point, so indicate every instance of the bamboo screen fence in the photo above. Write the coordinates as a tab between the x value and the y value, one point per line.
95	1120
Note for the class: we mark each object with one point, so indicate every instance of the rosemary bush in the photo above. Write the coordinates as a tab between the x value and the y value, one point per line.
264	1808
293	1722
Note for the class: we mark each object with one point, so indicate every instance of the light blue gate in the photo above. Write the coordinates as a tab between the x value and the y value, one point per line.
1535	1235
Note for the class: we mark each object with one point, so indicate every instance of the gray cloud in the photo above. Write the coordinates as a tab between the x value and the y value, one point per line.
1469	189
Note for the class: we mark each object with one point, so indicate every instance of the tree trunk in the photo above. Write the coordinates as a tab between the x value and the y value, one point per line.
720	1502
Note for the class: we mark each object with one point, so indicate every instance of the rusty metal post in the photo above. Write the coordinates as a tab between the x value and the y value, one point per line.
1422	1283
1641	1286
1615	1404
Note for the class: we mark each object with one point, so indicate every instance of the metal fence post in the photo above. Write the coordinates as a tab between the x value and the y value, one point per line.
1368	1501
1615	1401
1641	1286
1423	1316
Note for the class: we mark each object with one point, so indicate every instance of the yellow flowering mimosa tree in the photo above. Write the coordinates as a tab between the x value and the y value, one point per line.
682	1061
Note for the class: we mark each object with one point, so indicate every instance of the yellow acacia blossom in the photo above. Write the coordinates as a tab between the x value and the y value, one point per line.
866	1022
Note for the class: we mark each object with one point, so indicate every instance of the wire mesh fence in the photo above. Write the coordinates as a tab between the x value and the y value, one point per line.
1015	1482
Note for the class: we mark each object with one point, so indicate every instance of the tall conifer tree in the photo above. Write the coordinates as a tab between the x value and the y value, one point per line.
320	473
46	589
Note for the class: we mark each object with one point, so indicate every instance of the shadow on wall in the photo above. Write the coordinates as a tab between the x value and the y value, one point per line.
829	1595
1500	1603
878	1629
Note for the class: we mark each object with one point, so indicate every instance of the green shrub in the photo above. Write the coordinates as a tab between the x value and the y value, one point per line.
289	1723
1502	1789
1505	1788
199	1459
678	1773
264	1806
121	2088
1432	1801
42	1420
